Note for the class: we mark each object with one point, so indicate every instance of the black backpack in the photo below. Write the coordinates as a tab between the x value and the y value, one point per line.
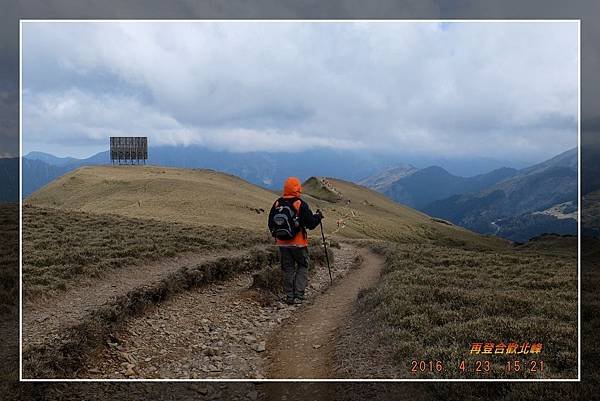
285	221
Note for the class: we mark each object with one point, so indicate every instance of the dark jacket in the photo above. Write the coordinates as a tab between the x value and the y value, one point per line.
306	218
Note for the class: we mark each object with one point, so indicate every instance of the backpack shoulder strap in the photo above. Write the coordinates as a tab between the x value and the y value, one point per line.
281	200
295	202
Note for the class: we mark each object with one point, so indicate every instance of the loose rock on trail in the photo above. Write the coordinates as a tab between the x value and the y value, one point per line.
222	330
59	331
303	348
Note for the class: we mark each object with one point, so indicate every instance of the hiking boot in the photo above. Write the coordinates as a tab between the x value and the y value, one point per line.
298	301
289	300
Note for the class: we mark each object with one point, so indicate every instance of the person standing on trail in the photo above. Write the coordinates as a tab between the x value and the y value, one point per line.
289	219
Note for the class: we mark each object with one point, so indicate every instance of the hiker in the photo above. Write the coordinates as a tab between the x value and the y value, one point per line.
289	218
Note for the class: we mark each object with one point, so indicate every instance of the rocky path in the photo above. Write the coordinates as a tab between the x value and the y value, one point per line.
304	347
47	318
60	332
218	331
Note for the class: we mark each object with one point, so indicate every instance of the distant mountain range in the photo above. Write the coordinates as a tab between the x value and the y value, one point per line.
519	206
384	179
37	173
51	159
516	204
424	186
268	170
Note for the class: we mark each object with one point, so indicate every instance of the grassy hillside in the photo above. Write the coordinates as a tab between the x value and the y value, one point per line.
434	301
200	197
383	180
96	219
59	246
364	213
195	197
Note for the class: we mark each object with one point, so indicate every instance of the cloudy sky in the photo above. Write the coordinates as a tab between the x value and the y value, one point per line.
505	90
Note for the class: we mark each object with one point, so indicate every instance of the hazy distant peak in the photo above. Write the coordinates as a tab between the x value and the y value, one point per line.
568	159
50	159
385	178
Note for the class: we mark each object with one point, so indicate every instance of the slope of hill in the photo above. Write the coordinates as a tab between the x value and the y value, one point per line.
567	159
209	197
167	194
41	168
358	212
37	173
97	245
261	168
432	183
9	179
516	207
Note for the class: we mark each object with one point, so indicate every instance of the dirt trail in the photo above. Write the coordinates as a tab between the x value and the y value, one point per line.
304	347
216	331
222	330
47	318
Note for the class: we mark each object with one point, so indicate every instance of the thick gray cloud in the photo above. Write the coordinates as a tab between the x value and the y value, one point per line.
492	89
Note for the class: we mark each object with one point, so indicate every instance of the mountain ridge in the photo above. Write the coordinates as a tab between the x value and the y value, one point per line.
434	182
266	169
270	169
202	196
518	201
50	158
384	179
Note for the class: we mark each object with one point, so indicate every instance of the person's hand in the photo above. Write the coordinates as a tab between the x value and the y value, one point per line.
319	213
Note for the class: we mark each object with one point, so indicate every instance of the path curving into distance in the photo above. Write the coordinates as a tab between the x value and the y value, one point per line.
303	348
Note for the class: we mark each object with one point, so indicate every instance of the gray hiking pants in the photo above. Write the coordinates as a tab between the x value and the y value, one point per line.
294	263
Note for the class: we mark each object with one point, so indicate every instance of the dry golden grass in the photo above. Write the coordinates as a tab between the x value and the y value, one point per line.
369	214
200	197
434	301
192	197
59	246
585	390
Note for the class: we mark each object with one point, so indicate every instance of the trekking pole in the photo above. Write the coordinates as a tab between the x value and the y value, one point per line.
326	254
